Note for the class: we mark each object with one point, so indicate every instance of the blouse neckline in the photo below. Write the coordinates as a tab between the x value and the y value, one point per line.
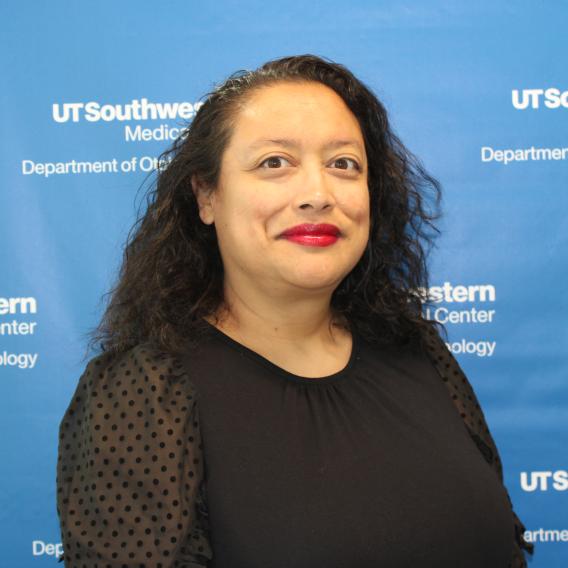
315	381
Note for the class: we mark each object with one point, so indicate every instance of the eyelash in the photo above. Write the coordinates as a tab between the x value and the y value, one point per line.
356	164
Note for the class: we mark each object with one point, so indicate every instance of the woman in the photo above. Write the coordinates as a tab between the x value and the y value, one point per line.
270	394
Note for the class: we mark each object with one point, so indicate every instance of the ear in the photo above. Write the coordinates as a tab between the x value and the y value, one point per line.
205	197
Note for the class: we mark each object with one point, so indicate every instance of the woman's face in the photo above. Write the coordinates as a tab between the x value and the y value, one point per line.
296	156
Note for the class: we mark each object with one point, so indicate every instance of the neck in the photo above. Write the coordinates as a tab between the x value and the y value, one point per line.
292	322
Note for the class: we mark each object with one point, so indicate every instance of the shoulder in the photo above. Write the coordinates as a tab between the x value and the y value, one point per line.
143	357
142	363
464	398
136	382
445	363
453	377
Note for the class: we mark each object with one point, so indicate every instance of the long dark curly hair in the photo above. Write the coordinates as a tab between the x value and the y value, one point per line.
172	274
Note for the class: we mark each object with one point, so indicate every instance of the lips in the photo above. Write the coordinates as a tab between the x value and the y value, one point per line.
307	229
320	235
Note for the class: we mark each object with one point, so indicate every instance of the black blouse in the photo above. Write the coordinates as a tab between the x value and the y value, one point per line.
218	457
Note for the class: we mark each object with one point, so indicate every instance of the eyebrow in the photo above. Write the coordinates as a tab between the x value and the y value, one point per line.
294	143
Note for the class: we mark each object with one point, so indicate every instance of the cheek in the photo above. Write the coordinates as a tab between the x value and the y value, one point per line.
262	215
250	220
357	207
363	213
236	208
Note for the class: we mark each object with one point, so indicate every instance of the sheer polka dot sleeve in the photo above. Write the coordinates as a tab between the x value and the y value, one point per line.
130	468
467	404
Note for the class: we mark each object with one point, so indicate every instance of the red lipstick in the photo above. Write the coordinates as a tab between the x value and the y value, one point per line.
320	235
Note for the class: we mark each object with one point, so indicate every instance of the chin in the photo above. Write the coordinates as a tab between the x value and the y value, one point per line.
313	281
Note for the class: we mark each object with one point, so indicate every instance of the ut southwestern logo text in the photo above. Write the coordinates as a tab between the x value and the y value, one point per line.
544	480
533	98
137	109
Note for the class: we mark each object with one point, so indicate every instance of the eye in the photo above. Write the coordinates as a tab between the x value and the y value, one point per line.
272	162
345	164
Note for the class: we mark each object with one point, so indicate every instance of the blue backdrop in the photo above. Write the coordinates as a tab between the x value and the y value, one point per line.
478	90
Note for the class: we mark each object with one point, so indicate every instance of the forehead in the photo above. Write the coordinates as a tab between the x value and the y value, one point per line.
300	110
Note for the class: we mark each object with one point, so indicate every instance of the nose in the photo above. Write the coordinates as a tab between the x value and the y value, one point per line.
316	191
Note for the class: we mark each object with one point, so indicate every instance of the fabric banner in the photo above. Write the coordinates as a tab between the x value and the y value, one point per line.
94	92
